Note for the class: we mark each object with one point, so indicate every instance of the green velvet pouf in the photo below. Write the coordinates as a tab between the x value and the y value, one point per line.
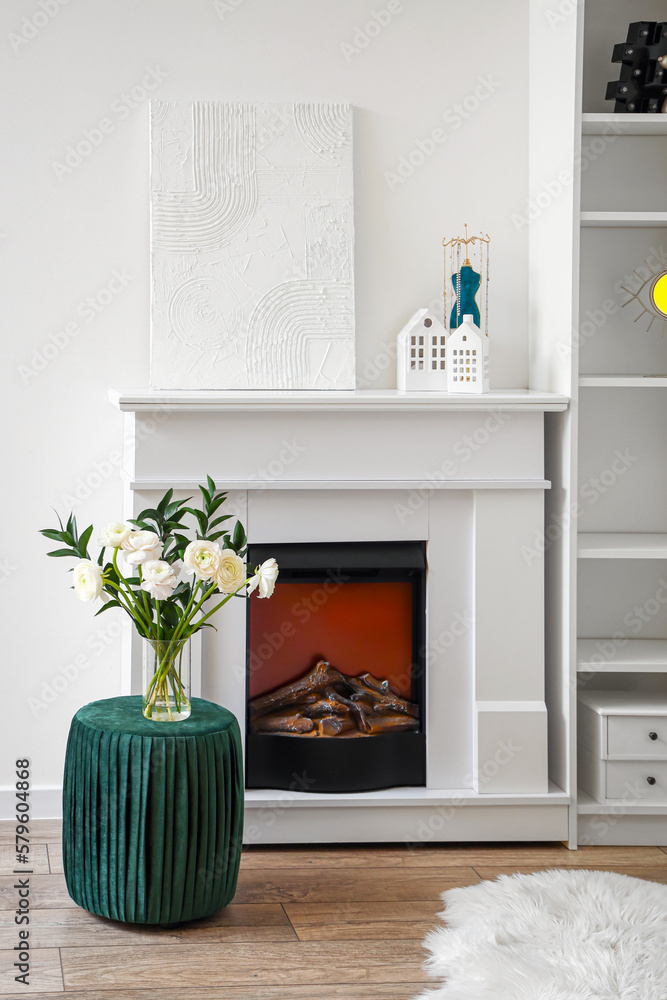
152	812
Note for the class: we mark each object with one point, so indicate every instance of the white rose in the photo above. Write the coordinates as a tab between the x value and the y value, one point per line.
231	573
88	581
141	546
201	558
265	578
115	534
159	578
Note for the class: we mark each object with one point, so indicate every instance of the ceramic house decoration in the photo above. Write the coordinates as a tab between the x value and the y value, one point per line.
467	358
421	354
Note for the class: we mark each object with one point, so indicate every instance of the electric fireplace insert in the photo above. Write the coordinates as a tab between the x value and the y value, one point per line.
335	668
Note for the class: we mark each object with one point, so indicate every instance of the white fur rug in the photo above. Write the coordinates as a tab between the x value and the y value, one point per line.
554	935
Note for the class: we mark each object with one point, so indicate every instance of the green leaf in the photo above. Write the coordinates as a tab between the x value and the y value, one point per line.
205	493
83	542
142	524
201	517
100	558
53	534
109	604
214	537
150	514
173	508
211	485
239	537
219	520
63	552
162	506
217	502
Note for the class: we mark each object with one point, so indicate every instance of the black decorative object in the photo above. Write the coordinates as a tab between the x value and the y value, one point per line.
642	87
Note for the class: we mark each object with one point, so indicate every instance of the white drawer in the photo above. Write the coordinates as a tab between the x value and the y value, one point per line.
637	736
637	780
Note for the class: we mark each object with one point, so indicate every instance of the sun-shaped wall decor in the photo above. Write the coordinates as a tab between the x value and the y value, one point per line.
652	295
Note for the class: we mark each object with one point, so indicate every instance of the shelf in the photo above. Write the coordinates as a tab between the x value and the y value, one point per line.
261	798
623	381
613	124
648	656
587	806
143	485
346	400
624	219
621	546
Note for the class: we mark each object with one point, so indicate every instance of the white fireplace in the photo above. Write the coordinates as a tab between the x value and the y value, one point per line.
465	475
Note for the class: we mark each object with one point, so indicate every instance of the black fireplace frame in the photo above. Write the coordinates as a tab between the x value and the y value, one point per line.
389	760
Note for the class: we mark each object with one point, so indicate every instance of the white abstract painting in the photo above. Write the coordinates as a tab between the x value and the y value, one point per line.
252	240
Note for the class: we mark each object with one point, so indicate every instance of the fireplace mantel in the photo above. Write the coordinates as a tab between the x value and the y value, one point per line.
466	475
367	400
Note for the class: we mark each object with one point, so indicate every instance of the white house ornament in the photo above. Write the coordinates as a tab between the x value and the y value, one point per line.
467	358
421	357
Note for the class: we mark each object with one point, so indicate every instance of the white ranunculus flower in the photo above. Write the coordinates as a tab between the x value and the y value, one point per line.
141	546
159	578
115	534
202	558
88	581
265	578
231	573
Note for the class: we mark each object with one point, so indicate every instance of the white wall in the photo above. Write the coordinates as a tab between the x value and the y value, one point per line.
64	234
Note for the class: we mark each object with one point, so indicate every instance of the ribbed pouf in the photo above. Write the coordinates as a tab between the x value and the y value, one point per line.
152	812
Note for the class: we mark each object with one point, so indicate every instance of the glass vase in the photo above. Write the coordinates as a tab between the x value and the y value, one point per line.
166	679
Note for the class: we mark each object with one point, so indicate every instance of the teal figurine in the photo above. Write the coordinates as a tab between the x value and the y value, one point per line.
466	284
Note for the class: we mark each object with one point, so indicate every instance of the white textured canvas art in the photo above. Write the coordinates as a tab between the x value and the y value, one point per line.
251	246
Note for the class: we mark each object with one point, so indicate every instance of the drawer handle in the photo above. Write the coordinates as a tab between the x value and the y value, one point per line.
653	736
651	781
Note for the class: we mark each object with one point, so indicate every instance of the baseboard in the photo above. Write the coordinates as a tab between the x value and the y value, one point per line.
46	802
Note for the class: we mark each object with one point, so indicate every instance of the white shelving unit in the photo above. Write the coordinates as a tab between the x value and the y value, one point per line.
622	381
621	220
621	508
612	124
606	656
621	545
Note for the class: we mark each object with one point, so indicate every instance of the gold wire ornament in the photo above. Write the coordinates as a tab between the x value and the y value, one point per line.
650	293
479	247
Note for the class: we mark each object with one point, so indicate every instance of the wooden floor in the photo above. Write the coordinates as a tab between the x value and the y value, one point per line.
339	923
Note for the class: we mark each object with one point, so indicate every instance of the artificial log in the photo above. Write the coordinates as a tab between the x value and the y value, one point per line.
326	702
313	683
392	723
287	722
